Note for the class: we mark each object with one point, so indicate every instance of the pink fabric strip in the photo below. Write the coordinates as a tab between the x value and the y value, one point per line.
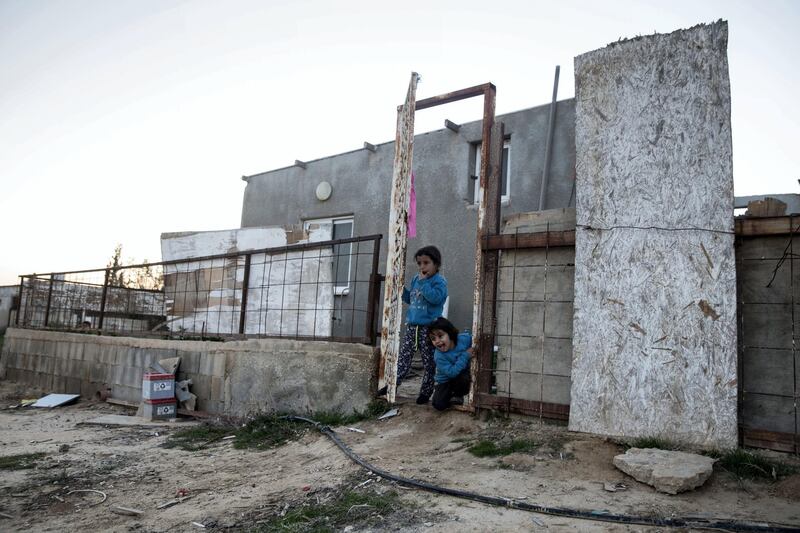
412	211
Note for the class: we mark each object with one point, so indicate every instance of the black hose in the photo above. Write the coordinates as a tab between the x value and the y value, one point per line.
698	523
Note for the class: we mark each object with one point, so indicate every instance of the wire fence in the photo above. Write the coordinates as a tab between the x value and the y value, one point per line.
320	290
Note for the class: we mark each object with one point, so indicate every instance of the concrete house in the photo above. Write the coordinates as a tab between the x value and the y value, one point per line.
445	163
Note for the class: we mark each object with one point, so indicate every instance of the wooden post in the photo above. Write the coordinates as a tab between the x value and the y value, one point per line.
398	233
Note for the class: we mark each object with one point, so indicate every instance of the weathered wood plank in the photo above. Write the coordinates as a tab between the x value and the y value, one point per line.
398	236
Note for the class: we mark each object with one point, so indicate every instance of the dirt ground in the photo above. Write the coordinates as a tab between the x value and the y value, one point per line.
237	490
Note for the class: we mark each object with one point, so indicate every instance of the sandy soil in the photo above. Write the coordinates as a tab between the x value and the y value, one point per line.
234	489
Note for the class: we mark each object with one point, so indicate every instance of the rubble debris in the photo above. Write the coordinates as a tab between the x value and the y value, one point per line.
170	503
614	486
389	414
666	470
170	364
128	511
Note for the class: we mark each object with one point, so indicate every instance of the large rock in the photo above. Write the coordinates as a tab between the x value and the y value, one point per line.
668	471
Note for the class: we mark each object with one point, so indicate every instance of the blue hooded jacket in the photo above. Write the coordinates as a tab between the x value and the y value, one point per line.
425	299
451	363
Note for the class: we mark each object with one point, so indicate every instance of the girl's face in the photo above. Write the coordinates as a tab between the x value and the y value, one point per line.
441	340
426	266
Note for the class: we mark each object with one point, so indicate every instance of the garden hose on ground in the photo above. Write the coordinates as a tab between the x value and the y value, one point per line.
688	522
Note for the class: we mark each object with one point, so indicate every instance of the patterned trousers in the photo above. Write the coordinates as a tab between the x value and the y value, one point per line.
416	339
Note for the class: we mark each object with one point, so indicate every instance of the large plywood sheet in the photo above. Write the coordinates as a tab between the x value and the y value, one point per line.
655	282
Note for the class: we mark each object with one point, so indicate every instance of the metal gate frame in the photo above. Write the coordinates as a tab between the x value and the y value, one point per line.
486	261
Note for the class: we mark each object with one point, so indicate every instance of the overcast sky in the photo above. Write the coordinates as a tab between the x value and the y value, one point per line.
120	120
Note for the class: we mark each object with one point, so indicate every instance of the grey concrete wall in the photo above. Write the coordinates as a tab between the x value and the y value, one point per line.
233	378
534	313
7	294
655	279
770	363
443	163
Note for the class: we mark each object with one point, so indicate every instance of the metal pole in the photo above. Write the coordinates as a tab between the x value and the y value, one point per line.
49	299
19	299
245	285
548	147
103	300
398	233
374	286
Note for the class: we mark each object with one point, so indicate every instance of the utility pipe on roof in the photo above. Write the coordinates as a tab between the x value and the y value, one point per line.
548	147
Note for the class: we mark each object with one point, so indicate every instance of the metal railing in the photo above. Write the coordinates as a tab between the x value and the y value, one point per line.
319	290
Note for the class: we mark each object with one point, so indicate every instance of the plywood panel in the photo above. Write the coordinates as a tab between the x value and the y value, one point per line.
655	282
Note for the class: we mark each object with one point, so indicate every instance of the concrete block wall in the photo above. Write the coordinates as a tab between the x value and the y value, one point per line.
534	313
233	378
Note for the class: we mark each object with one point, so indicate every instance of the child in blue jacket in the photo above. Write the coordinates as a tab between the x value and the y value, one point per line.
425	299
452	356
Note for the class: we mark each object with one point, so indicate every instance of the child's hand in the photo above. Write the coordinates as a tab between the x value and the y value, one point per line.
471	352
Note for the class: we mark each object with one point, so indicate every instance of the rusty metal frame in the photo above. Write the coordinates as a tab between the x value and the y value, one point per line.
486	262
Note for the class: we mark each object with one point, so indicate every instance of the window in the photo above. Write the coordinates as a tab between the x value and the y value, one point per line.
505	189
342	228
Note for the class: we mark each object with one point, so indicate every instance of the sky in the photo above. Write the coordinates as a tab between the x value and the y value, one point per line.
122	120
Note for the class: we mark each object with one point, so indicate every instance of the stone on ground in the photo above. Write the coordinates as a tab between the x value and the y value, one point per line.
667	471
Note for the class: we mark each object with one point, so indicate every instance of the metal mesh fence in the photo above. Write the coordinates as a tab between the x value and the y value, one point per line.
321	290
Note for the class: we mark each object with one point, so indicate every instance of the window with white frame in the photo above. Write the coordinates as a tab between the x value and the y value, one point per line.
505	186
342	228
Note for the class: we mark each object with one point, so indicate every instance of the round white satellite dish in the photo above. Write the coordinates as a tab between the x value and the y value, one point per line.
324	191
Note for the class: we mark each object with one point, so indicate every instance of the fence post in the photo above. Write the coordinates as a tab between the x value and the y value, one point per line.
19	299
103	300
49	299
374	288
245	285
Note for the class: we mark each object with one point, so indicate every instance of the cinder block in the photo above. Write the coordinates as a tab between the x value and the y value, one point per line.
560	283
556	389
78	370
62	367
62	349
201	386
99	373
76	350
212	364
558	320
32	362
755	274
47	365
525	386
9	359
132	377
87	389
527	319
769	413
217	389
529	283
558	356
126	356
94	353
44	381
59	384
190	361
765	371
767	325
72	386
